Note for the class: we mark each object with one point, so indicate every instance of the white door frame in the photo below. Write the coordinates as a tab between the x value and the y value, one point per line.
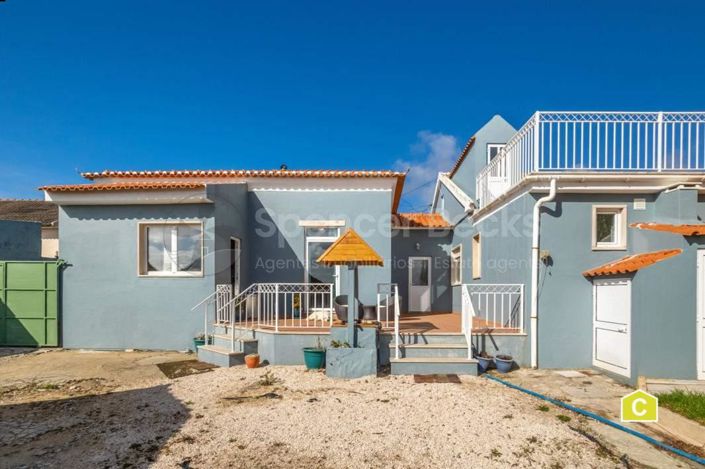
236	286
627	372
430	281
321	239
700	315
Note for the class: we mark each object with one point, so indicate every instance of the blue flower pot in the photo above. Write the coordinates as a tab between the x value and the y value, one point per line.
484	363
314	358
504	365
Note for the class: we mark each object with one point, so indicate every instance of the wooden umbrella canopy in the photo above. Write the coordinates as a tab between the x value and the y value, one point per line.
350	249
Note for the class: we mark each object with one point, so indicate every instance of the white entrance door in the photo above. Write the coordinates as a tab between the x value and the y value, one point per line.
419	284
612	306
701	315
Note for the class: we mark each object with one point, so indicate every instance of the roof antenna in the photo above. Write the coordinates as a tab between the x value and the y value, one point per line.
283	167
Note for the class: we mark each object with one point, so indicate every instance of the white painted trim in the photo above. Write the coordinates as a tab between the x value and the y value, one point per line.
321	223
191	196
238	242
600	364
430	280
476	266
700	315
460	270
465	200
580	183
321	239
142	249
620	210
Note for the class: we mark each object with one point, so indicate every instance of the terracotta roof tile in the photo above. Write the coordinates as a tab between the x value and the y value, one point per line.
419	220
124	186
685	230
461	157
46	213
350	248
259	173
632	263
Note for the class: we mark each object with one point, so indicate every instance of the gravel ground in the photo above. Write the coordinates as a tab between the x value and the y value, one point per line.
235	418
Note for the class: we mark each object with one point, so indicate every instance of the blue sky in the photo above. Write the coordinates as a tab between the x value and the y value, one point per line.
373	85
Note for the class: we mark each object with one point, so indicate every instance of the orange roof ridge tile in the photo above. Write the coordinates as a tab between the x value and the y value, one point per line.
124	186
293	173
632	263
468	146
692	229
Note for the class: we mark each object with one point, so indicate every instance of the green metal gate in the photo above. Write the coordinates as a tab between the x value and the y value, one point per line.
29	303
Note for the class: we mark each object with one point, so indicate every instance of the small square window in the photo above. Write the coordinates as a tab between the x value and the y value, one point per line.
609	227
171	249
493	150
456	265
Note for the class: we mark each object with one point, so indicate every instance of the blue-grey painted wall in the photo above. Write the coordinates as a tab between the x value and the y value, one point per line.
106	305
431	243
496	130
277	242
231	218
20	240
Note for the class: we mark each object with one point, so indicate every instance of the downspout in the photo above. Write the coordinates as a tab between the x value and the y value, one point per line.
535	273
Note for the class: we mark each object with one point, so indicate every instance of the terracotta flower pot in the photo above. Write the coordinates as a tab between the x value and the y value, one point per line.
252	360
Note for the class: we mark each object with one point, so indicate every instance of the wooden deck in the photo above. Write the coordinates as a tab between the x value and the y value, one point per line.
410	323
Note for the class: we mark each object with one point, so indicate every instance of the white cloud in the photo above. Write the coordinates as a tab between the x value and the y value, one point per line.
430	154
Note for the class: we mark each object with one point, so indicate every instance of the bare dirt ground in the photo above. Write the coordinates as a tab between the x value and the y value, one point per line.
72	409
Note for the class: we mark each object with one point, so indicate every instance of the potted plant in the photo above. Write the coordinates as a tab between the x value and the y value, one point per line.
252	360
296	303
504	363
484	360
200	339
315	357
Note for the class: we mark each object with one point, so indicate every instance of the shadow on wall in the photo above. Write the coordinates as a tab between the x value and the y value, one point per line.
122	429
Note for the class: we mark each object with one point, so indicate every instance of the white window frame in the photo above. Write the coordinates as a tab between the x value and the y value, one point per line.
476	256
620	212
498	146
321	239
456	257
143	249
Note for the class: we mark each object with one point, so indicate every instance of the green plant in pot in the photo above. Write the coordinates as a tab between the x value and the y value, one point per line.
200	339
315	357
296	303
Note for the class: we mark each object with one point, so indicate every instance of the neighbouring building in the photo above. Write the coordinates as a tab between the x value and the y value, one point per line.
37	211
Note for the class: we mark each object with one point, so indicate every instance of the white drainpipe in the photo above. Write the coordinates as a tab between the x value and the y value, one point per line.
535	274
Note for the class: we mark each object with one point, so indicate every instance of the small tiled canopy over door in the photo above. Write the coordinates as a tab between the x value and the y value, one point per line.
612	325
29	303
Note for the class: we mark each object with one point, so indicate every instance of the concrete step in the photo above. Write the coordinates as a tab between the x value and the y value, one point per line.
430	338
244	345
433	366
432	350
220	356
224	329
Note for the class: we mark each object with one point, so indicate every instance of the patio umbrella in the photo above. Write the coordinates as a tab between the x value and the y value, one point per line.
352	251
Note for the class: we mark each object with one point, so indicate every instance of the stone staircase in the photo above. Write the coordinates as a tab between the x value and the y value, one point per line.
219	352
432	353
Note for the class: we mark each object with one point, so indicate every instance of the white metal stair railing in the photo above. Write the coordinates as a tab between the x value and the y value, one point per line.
497	306
388	294
388	301
468	313
219	297
577	141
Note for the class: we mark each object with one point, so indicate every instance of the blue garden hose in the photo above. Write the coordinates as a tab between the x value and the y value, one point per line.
594	416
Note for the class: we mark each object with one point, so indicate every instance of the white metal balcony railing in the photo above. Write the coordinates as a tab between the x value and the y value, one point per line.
497	306
596	142
280	305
